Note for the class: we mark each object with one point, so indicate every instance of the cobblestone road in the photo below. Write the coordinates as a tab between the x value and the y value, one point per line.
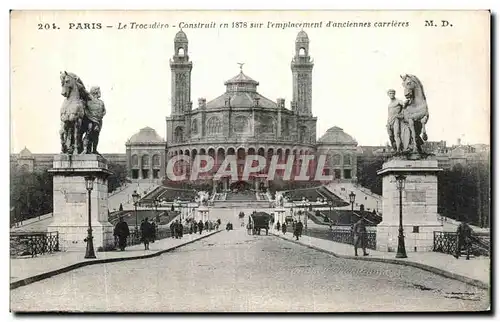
232	271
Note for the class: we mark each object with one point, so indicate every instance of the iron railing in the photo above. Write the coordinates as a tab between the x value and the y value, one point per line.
33	243
345	236
446	242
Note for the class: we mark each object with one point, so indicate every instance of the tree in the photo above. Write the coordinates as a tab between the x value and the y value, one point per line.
119	176
464	193
31	193
121	207
367	173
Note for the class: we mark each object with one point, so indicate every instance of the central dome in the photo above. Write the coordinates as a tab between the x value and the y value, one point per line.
146	135
241	91
336	135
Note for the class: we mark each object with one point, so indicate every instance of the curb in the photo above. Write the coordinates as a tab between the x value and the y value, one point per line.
424	267
36	278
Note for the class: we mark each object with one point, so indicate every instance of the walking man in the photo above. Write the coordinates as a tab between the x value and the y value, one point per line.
172	229
359	230
298	230
146	233
121	232
464	235
200	226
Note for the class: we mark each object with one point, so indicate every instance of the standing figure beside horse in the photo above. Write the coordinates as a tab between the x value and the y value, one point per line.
406	120
81	116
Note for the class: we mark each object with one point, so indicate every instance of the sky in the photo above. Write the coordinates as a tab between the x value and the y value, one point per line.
353	69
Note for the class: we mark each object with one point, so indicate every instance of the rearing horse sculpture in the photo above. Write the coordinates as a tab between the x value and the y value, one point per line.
415	113
72	112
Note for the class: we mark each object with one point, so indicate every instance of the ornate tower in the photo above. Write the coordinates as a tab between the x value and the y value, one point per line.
181	75
302	76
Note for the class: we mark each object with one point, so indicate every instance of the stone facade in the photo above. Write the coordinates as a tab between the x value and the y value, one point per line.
243	122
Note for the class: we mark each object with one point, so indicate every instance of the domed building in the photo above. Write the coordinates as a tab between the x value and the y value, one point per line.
240	122
341	149
145	154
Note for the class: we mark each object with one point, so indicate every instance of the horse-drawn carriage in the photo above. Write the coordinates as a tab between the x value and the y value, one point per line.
258	221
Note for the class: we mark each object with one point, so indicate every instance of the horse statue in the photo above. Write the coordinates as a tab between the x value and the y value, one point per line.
415	114
72	112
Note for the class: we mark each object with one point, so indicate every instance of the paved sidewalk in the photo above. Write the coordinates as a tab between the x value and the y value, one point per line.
26	268
475	271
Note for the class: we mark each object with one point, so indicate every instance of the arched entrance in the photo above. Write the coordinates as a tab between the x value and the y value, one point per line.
240	186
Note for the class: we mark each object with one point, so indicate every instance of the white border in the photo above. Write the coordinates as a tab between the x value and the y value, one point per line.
191	4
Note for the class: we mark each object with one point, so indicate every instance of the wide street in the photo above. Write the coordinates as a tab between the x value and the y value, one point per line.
232	271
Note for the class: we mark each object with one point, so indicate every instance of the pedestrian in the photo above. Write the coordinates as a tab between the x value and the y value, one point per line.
283	228
121	232
180	231
195	226
145	233
359	230
206	225
298	230
191	229
200	226
172	229
464	240
278	226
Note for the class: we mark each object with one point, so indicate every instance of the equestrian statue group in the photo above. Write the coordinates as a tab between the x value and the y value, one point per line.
81	116
407	119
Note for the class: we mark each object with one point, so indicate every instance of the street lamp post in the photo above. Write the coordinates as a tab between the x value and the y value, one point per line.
89	184
135	198
352	199
156	202
305	204
400	181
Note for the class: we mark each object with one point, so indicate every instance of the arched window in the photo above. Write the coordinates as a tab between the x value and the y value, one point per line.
25	168
179	134
145	161
135	160
180	52
267	125
156	160
303	134
241	124
336	159
285	127
194	126
302	52
347	159
214	126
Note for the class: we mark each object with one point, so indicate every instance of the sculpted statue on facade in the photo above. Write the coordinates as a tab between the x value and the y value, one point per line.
202	198
279	199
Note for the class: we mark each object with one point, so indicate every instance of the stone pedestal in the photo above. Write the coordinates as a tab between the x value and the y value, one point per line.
203	213
279	215
419	202
71	201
